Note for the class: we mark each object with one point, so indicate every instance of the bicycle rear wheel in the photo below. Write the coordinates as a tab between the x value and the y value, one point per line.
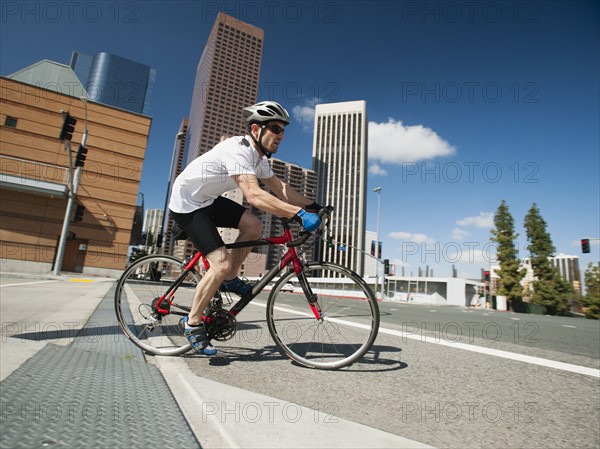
349	317
137	299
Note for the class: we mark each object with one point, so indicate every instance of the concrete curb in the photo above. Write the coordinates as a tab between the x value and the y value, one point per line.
222	416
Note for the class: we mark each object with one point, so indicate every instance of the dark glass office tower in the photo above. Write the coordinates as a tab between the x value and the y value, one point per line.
115	81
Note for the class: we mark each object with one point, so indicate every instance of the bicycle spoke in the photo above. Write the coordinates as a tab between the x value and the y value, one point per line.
136	299
348	324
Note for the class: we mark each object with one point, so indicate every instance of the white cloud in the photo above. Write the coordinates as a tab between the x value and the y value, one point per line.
484	220
409	237
396	143
376	170
460	234
305	115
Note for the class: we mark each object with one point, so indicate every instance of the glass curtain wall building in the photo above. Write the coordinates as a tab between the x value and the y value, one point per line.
115	81
340	163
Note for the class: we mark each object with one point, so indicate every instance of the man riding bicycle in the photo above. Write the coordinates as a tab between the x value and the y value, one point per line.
199	209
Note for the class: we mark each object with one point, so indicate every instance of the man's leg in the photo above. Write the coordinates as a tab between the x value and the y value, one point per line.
250	229
220	266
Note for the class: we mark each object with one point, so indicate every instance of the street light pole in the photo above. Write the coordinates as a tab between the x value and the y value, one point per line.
73	185
377	255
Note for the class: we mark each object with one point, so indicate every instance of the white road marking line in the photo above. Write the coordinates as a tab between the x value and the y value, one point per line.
473	348
27	283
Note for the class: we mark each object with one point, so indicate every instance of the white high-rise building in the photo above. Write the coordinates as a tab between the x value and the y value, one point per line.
340	162
153	228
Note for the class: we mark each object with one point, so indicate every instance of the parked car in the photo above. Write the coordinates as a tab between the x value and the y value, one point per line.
287	287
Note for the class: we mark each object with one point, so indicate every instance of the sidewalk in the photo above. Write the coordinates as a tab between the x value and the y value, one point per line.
95	391
75	381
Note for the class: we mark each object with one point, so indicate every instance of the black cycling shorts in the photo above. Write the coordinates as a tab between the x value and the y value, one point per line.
201	225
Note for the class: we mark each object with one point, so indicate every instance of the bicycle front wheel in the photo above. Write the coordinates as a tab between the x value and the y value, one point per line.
138	300
348	324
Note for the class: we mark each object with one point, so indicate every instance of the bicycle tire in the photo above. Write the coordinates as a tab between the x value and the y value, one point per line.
348	326
147	279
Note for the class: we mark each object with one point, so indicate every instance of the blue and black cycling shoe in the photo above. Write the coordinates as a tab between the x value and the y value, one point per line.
236	286
198	338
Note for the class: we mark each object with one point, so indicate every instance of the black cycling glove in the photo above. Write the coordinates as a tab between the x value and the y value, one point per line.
314	207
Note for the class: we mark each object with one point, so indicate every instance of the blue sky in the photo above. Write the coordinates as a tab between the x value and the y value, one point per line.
469	103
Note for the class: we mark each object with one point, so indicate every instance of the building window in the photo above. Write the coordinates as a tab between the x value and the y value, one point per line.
10	121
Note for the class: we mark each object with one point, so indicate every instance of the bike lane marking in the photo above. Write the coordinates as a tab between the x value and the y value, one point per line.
473	348
26	283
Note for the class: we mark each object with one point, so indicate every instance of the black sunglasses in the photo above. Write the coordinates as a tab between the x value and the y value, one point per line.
275	129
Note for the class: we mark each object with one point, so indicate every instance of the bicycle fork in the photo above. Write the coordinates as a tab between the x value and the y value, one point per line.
311	297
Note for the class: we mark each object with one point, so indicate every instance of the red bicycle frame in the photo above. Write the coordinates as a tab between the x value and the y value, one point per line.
291	256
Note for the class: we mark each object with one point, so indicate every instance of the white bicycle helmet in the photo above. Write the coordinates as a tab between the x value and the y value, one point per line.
266	111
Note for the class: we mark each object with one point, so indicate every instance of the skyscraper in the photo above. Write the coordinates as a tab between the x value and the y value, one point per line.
152	229
115	81
303	181
176	169
226	82
340	162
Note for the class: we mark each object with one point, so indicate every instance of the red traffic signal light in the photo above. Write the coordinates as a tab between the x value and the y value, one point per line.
68	127
585	246
486	275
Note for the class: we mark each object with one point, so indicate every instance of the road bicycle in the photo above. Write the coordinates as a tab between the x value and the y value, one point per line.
329	320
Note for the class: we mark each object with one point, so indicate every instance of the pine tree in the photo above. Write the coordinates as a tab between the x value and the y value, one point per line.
504	236
539	244
591	300
549	289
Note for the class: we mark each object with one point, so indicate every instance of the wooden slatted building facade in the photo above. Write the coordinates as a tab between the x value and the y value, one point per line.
34	178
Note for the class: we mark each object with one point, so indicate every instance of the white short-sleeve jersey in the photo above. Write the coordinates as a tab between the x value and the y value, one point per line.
209	175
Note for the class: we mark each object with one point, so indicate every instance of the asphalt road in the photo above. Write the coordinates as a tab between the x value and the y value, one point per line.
444	376
422	381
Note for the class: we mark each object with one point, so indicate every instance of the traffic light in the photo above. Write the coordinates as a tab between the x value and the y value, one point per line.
68	127
81	155
486	275
585	246
79	210
386	266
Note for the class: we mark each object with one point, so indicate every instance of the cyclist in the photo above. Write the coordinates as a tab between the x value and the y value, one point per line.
198	208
